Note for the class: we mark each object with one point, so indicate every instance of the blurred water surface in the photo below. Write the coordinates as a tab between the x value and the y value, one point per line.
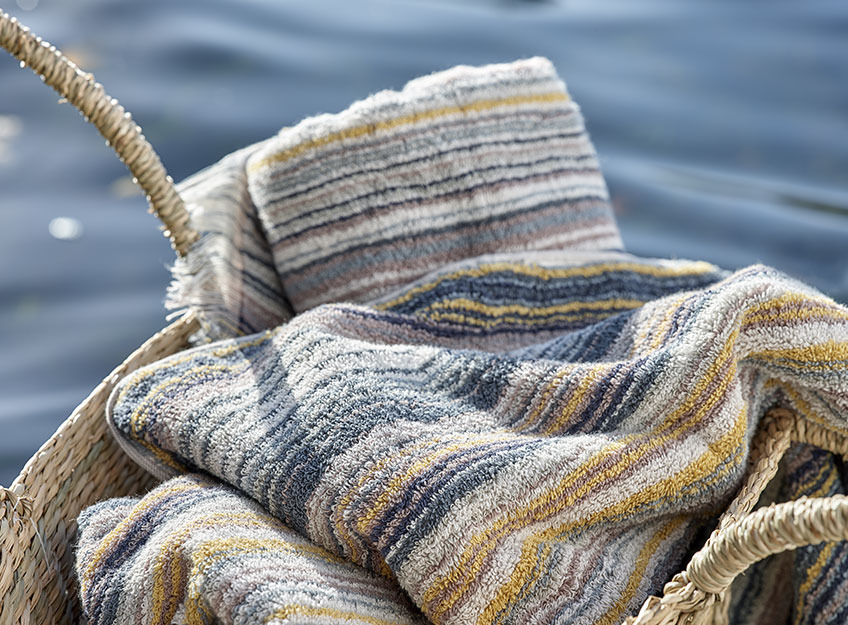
722	129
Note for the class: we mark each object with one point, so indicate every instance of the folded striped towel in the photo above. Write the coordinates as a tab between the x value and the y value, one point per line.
194	551
515	438
347	207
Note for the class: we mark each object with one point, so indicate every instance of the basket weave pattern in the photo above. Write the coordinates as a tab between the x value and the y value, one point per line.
79	465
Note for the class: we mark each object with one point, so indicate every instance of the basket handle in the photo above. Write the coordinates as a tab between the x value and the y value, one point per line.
113	122
741	542
700	593
765	532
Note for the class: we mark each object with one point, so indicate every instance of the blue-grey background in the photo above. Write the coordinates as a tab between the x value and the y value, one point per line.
722	129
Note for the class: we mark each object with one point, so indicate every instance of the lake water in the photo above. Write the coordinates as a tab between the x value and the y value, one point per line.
722	129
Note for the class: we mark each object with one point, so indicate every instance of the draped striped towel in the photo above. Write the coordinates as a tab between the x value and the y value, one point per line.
349	206
515	438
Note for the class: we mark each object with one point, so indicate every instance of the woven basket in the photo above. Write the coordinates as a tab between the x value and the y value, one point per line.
81	463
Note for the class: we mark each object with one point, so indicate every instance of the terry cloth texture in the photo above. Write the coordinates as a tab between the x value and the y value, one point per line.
458	164
520	438
194	551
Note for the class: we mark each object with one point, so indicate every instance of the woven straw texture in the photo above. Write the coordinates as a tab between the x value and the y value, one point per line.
79	465
82	464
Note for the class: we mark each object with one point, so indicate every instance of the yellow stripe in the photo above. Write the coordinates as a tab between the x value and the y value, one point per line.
664	326
412	118
536	271
220	352
521	321
783	316
213	551
827	356
804	487
613	615
827	484
141	414
138	418
828	350
802	367
810	577
387	497
669	488
503	314
576	398
198	611
803	408
304	610
341	528
169	557
773	310
462	303
544	400
812	574
792	301
651	323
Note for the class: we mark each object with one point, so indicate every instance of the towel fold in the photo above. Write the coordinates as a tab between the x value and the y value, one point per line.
516	439
228	277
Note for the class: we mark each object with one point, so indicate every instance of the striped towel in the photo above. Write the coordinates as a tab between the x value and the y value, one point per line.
193	551
508	420
228	277
514	438
350	206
